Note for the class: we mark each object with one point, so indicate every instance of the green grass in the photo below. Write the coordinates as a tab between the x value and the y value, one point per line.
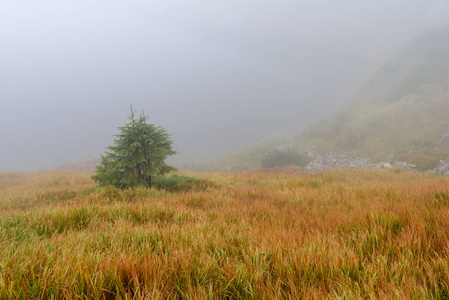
179	183
342	234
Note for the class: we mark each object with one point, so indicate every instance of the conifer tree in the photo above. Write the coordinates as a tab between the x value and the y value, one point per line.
139	152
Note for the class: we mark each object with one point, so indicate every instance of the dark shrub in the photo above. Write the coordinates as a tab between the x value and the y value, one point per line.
286	157
179	183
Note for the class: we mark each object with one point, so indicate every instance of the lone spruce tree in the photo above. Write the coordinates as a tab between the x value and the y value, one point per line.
139	152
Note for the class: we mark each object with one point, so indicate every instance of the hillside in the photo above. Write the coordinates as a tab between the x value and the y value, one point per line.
414	126
401	111
425	61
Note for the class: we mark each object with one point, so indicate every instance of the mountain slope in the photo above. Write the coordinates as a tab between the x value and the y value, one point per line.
416	122
424	61
403	110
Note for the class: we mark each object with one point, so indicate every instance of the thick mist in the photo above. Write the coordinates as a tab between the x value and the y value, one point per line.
218	75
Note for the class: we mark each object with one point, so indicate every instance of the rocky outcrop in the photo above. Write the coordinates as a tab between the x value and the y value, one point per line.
322	162
442	169
333	161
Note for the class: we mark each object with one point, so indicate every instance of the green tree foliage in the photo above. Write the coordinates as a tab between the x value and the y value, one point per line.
139	152
286	157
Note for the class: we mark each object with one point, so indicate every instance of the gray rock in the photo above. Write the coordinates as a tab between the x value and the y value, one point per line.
442	169
390	159
321	162
444	138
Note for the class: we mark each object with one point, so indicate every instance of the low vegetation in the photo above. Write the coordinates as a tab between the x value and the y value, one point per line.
180	183
276	158
341	234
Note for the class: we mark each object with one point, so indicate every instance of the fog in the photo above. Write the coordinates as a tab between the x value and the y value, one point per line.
218	75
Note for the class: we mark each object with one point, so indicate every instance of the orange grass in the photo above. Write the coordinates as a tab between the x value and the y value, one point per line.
341	234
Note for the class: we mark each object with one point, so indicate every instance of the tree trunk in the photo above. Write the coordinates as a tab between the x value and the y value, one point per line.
149	181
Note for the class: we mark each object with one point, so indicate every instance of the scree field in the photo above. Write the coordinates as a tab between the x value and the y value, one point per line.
341	234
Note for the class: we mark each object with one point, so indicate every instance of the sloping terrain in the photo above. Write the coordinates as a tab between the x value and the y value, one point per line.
414	128
401	111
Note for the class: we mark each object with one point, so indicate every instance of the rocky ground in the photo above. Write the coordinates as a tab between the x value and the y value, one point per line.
442	168
322	162
332	161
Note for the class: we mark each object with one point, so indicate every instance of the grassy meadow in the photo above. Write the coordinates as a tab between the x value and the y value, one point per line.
341	234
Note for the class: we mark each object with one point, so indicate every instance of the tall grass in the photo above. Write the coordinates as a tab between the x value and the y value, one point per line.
343	234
